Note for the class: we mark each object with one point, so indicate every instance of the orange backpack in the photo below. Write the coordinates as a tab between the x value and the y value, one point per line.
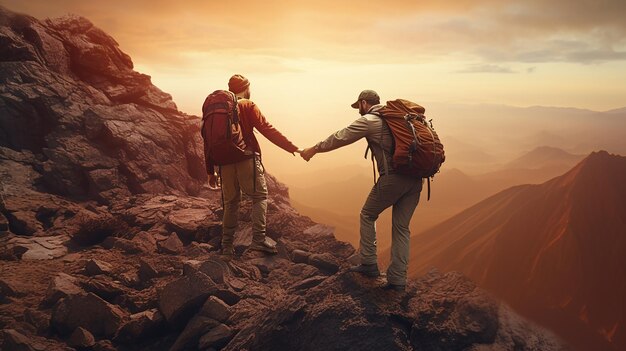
417	150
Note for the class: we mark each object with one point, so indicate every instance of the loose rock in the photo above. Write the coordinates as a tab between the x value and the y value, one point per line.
88	311
81	338
62	285
95	267
181	298
216	338
172	245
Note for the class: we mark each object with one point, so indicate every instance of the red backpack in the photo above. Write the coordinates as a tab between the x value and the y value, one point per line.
417	150
221	131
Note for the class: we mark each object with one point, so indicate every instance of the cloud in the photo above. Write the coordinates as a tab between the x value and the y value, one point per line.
496	32
486	68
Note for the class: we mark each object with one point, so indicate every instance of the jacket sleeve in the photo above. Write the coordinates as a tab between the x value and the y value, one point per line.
355	131
272	134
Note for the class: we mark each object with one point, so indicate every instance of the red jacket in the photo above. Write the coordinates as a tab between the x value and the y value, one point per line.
250	117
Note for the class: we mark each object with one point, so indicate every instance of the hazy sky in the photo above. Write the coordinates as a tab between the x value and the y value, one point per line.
558	52
307	61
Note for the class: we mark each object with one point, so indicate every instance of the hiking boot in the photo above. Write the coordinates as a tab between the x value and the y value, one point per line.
370	270
264	246
394	287
228	252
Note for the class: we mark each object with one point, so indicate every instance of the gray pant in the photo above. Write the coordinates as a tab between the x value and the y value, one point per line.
403	194
241	177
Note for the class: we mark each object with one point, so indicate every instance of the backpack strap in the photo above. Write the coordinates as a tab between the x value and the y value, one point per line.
382	132
368	149
428	199
254	173
235	110
219	172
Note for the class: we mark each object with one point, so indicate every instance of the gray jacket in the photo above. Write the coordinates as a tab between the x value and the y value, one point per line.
373	129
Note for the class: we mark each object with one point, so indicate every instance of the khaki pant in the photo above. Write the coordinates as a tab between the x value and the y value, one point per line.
403	194
240	177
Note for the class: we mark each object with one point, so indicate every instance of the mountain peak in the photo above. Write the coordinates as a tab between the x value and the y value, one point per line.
598	168
602	157
543	156
554	250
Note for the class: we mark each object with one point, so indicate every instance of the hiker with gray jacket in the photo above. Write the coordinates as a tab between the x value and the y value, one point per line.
392	189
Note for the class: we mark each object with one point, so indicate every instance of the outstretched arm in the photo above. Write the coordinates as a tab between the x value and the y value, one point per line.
355	131
271	133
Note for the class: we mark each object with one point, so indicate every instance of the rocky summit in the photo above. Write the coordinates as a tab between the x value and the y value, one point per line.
109	238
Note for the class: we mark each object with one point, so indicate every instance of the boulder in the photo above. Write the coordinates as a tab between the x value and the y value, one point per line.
141	325
215	268
39	248
7	288
228	296
191	266
146	270
212	314
196	249
81	339
88	311
16	341
325	262
216	337
172	245
244	269
188	338
189	221
24	222
465	315
236	284
95	267
62	285
104	287
94	229
299	256
216	309
182	297
146	242
38	319
266	264
127	246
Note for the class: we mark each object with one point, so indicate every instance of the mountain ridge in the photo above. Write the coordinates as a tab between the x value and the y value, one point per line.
539	239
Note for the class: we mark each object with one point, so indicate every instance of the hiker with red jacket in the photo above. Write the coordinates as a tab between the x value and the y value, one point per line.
244	171
392	189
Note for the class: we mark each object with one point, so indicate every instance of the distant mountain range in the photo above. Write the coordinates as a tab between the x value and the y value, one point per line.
480	136
555	251
542	157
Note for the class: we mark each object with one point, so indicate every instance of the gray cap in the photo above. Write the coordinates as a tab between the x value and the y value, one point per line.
367	95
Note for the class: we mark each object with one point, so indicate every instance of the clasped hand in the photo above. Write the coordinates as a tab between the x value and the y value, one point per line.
307	153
